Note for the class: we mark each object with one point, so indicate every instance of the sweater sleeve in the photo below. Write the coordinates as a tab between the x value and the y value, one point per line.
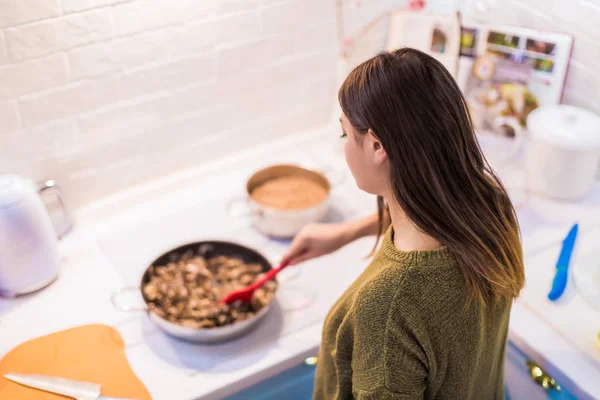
389	360
382	393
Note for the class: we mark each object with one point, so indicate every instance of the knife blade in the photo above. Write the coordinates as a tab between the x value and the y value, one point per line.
562	265
65	387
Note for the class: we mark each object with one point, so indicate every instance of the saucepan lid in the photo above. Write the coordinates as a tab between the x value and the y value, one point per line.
565	126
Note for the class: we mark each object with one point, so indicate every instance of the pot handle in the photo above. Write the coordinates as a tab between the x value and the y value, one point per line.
114	298
334	176
238	207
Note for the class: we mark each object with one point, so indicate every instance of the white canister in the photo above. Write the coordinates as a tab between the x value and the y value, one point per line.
563	151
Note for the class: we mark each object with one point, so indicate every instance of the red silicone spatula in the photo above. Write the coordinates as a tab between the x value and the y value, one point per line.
245	294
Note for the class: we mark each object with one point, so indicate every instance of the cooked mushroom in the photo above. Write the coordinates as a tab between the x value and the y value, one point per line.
187	289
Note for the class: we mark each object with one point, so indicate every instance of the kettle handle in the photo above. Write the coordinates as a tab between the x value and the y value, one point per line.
50	186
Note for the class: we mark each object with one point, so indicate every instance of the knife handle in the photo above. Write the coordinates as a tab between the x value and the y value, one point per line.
559	283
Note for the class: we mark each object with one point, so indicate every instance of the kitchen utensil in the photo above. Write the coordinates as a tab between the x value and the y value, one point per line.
277	222
586	275
562	265
65	387
245	294
208	249
563	152
29	258
88	353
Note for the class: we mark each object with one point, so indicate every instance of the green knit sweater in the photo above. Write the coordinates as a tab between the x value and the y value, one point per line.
402	331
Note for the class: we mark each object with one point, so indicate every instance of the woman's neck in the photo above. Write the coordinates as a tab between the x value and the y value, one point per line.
407	236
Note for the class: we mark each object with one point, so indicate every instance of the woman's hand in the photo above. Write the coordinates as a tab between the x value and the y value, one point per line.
317	240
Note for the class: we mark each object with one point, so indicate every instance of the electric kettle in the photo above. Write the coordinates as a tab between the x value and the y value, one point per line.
29	257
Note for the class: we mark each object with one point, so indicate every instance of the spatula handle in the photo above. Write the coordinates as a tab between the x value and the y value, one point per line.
269	275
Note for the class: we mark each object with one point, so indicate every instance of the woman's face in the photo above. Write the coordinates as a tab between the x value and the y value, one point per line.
366	159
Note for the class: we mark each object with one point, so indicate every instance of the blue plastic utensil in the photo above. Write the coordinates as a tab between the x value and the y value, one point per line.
562	265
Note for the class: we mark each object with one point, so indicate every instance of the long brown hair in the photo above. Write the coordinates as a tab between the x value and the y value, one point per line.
440	178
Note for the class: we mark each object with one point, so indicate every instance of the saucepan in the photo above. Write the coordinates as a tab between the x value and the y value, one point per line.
281	221
207	250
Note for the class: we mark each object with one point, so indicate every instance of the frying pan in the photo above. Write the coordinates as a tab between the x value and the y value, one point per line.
206	249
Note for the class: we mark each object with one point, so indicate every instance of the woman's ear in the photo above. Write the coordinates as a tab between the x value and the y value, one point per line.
379	153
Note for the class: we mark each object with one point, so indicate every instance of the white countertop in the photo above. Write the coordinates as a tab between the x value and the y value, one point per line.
115	238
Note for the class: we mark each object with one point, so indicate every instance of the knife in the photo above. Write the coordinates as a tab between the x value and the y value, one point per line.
562	265
65	387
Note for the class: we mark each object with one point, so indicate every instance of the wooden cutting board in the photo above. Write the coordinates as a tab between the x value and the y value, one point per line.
92	353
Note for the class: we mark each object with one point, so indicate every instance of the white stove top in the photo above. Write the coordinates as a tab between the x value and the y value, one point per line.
115	238
199	212
187	217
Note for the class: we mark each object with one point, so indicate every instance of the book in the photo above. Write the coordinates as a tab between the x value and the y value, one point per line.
435	34
506	72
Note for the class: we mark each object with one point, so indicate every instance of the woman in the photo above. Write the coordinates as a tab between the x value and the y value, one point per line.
428	318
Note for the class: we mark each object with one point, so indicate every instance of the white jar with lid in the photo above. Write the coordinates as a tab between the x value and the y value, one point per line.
563	151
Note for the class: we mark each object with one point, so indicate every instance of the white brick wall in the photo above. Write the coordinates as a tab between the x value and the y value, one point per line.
119	54
70	6
193	38
55	34
3	55
142	15
33	75
68	100
16	12
171	75
104	94
9	116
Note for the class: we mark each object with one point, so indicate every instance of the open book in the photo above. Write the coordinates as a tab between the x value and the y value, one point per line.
435	34
508	71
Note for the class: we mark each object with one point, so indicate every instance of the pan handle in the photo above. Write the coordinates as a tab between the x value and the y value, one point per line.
114	298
